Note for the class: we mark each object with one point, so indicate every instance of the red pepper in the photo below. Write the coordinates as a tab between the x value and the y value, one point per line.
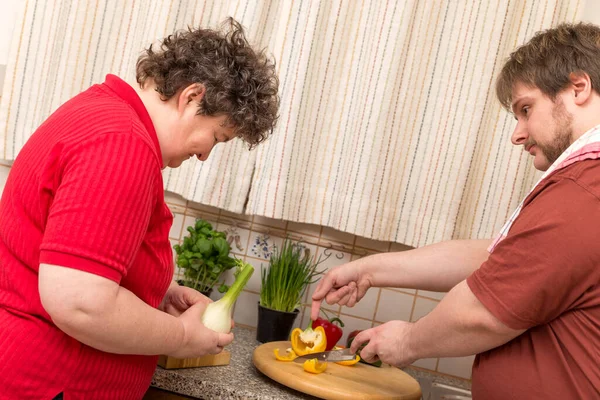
333	333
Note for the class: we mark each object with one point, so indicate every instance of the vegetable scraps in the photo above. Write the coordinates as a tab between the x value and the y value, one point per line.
309	341
217	315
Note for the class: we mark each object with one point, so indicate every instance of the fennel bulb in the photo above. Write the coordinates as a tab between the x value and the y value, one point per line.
217	315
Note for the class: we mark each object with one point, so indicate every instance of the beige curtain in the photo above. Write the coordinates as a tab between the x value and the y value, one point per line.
389	125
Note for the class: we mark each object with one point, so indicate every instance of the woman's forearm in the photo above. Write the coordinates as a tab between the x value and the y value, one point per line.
106	316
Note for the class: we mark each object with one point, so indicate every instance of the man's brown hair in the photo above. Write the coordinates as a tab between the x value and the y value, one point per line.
240	81
548	59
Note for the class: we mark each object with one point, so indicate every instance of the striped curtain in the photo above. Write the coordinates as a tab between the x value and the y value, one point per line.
389	125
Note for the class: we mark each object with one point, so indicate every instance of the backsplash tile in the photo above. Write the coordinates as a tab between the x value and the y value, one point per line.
366	307
394	305
422	307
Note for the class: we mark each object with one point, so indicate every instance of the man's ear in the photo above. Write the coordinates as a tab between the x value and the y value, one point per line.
190	95
581	86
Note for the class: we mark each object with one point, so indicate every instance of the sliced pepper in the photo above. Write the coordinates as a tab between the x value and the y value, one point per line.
308	341
349	362
333	332
289	355
314	366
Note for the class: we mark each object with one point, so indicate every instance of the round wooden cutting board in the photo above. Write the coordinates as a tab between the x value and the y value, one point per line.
359	381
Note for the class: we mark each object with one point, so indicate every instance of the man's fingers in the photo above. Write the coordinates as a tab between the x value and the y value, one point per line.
314	310
324	286
361	338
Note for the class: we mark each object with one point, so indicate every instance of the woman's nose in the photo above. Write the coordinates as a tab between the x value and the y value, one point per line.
519	135
204	156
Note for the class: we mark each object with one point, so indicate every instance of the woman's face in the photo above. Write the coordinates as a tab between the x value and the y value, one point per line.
190	134
195	136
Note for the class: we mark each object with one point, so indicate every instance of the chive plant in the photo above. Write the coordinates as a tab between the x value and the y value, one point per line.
289	273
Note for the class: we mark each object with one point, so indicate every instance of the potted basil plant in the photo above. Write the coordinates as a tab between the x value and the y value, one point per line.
204	257
283	284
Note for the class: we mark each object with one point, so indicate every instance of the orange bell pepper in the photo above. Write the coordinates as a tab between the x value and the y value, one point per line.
349	362
308	341
288	356
314	366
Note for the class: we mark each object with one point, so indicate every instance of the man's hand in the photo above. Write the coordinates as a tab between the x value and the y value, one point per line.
179	298
345	285
387	342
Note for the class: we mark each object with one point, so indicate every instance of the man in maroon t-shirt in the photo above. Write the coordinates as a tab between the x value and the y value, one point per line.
527	303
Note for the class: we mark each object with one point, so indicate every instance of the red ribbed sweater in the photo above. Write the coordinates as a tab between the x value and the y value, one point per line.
85	192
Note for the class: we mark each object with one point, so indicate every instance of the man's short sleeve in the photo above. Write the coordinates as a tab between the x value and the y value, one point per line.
546	262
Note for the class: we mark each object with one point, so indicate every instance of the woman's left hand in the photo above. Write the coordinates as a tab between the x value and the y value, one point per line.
179	298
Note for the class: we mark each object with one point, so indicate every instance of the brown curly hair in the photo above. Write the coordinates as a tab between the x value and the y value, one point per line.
240	82
548	59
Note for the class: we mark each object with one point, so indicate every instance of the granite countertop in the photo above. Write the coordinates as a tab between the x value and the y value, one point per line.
241	380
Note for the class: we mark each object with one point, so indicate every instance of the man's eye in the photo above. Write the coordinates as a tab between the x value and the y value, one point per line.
525	110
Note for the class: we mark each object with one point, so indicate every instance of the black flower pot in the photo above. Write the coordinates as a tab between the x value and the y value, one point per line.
274	325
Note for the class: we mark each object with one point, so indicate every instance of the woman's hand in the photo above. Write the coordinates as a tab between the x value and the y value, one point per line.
198	340
345	285
179	298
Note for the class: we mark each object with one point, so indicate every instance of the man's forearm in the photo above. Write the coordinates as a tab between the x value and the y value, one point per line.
438	267
459	326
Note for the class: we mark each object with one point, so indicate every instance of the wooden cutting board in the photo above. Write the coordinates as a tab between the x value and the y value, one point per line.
359	381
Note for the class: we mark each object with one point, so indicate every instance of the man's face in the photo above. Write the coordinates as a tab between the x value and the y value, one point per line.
544	127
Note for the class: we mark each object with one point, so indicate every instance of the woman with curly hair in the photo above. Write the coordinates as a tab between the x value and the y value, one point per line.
86	294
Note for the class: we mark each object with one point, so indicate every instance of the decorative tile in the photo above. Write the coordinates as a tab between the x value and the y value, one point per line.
422	308
394	306
175	231
432	295
305	229
254	283
365	308
371	244
173	198
246	309
352	324
263	245
236	237
270	222
457	366
333	235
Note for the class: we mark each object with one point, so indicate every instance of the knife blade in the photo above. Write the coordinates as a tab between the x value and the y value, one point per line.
333	355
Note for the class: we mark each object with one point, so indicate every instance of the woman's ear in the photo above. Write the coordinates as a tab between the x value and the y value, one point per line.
581	85
190	95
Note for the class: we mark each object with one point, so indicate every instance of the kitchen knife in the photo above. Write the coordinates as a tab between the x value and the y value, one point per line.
333	355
